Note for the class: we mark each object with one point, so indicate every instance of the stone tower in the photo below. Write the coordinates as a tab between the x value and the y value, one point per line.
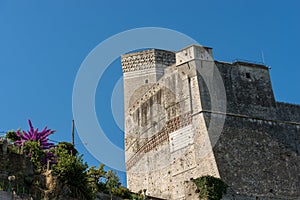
187	115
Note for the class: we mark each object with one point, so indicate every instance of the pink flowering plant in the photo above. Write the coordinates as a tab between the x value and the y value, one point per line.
36	145
35	135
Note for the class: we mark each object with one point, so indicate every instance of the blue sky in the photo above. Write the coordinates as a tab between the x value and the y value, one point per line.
43	43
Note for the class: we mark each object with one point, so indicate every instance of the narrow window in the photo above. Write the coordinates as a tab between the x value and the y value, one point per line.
144	114
248	75
138	116
159	97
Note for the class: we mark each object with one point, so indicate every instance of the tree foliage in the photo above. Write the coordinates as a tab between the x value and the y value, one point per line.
34	151
71	170
112	180
67	164
95	176
12	136
66	146
35	145
122	192
107	182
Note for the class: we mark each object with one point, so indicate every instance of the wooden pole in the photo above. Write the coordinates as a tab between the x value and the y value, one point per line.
73	127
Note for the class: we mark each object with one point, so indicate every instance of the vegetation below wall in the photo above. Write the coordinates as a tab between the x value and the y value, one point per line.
53	171
210	188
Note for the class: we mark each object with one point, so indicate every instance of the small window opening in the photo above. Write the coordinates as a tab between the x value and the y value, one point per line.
146	81
248	75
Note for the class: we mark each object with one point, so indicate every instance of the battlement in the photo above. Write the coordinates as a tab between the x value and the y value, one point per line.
147	59
152	58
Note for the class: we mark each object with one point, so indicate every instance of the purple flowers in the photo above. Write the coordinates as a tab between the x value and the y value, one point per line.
36	146
34	135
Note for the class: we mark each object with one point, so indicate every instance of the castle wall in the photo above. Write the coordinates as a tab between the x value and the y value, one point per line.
248	89
174	126
259	157
288	112
141	70
164	139
258	151
151	114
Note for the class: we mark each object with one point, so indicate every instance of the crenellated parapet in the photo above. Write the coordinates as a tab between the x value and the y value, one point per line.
147	59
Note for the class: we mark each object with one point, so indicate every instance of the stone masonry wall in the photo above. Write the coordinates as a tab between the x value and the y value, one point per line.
258	150
258	157
168	138
12	164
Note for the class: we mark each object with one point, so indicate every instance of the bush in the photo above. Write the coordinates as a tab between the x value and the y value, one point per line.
61	146
12	136
34	152
95	176
71	170
210	187
122	192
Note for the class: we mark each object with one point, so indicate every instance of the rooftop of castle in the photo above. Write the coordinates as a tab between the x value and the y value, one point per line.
166	55
146	51
245	63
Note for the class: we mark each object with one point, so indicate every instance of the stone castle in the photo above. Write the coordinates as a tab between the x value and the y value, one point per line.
187	115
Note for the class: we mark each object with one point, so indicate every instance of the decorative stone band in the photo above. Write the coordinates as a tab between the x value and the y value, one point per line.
145	97
162	136
146	59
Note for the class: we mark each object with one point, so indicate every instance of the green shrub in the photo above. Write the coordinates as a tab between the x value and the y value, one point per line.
34	151
71	170
14	149
210	188
61	146
12	136
95	175
121	192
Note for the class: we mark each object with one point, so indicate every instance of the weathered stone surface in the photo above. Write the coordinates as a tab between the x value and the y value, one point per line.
169	138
